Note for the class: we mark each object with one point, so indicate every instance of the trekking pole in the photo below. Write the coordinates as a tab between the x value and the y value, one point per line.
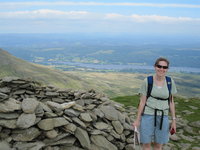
136	137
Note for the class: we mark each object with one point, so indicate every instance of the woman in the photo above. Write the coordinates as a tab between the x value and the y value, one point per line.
152	116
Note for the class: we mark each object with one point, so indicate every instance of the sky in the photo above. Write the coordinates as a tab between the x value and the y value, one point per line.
166	17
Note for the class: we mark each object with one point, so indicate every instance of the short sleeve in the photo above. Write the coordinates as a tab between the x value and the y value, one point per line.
173	90
143	88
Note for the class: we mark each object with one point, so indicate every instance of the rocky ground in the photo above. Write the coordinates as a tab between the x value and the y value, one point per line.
36	117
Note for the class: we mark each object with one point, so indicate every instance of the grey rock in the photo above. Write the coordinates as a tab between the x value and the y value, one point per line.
68	105
174	138
71	112
56	139
78	108
25	135
49	124
110	112
45	107
131	147
195	124
3	96
85	117
39	111
193	107
52	94
50	115
29	105
5	90
10	105
54	106
98	113
26	120
118	127
51	134
79	122
11	124
71	148
71	128
83	138
102	126
187	112
9	115
4	145
68	141
29	146
9	79
190	130
97	140
114	134
18	92
195	148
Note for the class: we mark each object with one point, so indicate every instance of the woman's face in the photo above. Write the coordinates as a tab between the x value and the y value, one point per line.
161	68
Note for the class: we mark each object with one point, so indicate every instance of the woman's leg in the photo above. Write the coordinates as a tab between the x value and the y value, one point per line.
147	130
157	146
146	146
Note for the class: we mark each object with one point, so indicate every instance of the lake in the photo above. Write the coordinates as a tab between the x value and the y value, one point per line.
120	67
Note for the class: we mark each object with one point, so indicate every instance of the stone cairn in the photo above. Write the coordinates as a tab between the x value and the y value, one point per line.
36	117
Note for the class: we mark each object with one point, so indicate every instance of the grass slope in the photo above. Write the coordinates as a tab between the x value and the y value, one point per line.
113	84
181	105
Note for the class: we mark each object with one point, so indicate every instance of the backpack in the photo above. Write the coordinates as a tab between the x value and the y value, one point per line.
149	89
150	86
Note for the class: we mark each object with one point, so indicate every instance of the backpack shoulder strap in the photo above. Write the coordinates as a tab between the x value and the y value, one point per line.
150	85
149	88
169	84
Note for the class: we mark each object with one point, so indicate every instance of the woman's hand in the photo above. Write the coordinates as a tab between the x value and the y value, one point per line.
136	123
173	126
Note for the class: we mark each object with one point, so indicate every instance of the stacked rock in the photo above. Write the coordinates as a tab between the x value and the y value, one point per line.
36	117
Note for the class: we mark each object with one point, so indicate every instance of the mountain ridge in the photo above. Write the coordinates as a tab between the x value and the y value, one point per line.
111	83
13	66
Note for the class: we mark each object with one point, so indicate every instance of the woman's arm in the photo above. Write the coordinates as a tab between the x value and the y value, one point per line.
173	113
140	110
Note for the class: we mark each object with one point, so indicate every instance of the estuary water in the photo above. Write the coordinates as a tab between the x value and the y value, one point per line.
120	67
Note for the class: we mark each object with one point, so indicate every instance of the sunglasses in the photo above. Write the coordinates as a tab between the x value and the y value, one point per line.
164	67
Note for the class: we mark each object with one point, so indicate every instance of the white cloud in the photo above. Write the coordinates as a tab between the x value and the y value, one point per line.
161	19
45	14
85	15
28	4
149	18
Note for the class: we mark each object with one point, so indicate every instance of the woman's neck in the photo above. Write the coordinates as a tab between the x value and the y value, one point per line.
159	78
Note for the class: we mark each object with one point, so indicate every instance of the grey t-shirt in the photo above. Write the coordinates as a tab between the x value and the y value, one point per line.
161	92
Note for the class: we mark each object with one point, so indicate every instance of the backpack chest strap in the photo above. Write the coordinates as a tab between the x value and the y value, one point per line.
158	98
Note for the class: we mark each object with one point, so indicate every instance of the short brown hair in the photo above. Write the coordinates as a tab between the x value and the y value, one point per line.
161	59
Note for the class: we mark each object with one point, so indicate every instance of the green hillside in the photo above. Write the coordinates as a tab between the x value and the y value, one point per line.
113	83
12	66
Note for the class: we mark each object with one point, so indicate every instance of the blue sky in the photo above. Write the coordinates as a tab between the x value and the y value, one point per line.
171	17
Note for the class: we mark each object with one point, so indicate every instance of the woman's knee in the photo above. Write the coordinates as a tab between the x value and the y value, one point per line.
157	146
146	146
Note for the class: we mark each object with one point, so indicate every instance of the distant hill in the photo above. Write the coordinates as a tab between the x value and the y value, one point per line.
104	49
13	66
112	84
